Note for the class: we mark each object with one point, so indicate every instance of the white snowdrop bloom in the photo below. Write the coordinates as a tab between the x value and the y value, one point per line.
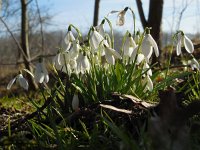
140	58
95	39
133	55
57	61
74	51
83	64
194	64
19	79
111	55
69	38
184	40
75	102
148	44
129	46
146	67
121	17
100	28
149	83
41	73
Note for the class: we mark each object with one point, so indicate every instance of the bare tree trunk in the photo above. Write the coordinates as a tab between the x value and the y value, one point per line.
154	20
96	12
25	42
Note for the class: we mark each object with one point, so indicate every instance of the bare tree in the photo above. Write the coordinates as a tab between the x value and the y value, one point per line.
25	42
154	20
96	12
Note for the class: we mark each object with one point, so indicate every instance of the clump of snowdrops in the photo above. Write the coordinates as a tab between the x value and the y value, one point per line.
91	69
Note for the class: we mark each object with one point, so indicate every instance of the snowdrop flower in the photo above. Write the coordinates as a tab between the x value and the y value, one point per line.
148	44
111	55
140	58
41	74
95	39
129	46
75	102
21	80
194	64
69	38
184	40
100	28
74	51
57	61
149	83
121	17
83	64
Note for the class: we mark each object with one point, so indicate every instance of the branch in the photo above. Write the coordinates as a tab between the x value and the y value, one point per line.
41	25
141	13
15	40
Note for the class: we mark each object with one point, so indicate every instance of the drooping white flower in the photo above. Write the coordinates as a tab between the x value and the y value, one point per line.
21	80
75	102
194	64
111	55
121	17
74	51
83	63
100	28
133	55
129	46
149	83
41	73
140	58
95	39
184	40
148	45
69	38
57	61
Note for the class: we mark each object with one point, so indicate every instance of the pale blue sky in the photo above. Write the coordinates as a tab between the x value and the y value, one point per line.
80	13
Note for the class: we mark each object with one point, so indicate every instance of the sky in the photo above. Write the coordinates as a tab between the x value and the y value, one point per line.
80	14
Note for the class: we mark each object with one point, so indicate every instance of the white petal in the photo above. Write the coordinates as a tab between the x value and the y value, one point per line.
188	44
101	30
22	82
133	55
114	53
126	47
146	48
95	40
132	42
109	57
178	47
154	44
69	37
46	78
121	18
75	102
149	83
11	83
140	58
85	63
39	77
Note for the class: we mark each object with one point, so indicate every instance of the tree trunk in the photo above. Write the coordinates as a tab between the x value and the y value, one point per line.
25	43
154	20
96	13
